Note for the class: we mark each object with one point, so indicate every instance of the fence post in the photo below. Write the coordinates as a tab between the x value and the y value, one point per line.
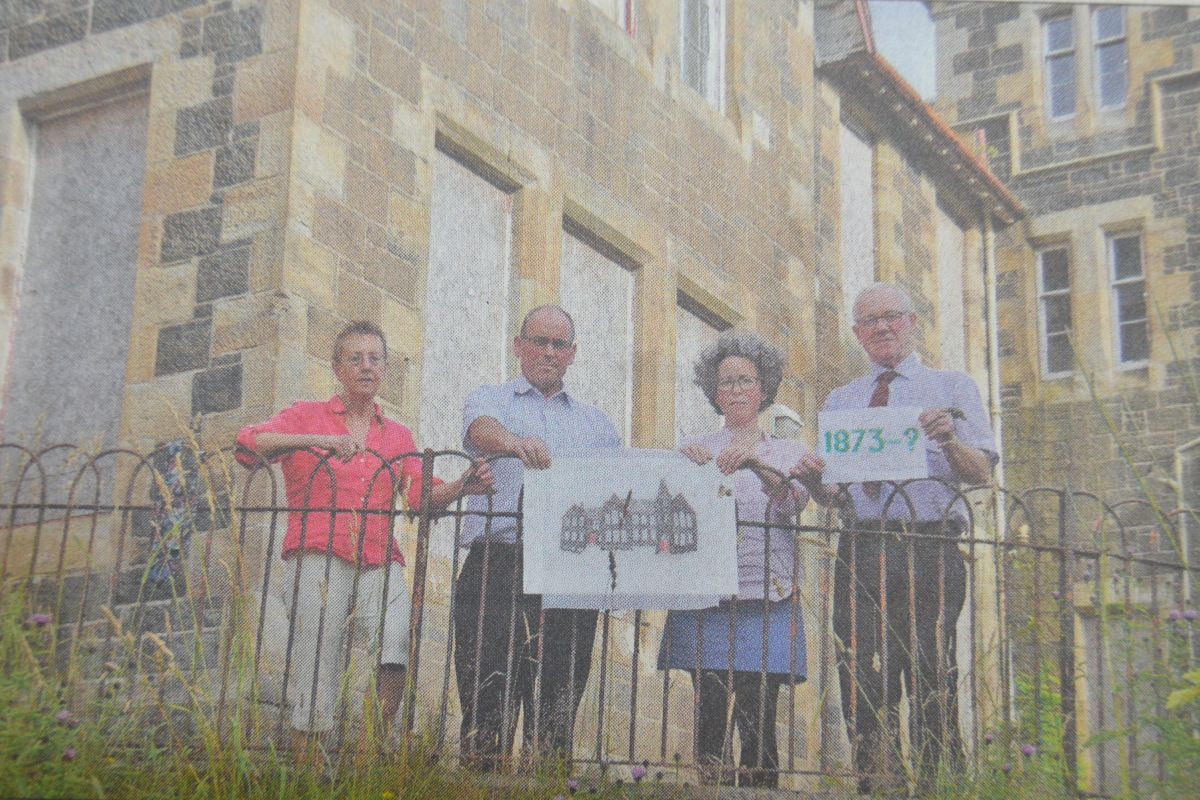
418	590
1066	645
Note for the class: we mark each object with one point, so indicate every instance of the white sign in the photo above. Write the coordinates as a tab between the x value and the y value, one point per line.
872	444
629	529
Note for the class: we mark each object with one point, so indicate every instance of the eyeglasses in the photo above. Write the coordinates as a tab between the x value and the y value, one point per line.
542	342
743	382
358	359
886	317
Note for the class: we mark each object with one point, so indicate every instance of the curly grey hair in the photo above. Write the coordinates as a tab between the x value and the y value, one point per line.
766	357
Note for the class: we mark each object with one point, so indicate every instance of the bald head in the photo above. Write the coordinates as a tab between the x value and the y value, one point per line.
547	312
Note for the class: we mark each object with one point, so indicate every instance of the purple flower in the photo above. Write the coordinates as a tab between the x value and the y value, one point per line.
637	773
1028	750
1087	576
1189	614
63	717
1006	767
1175	615
988	738
69	754
39	620
572	786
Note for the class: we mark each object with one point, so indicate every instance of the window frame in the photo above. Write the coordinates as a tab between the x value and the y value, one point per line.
1097	43
1049	56
714	62
1111	240
1044	333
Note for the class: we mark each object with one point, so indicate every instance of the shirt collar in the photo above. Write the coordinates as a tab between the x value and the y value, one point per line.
521	385
906	368
337	406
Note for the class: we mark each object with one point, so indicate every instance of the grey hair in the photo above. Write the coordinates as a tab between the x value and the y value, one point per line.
766	357
906	304
548	308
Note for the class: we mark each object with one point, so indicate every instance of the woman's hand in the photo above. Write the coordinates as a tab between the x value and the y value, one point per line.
477	479
737	454
698	453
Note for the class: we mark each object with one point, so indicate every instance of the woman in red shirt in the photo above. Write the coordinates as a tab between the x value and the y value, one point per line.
367	459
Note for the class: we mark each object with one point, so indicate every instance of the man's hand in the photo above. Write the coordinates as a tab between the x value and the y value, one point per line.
808	471
938	424
342	447
698	453
531	450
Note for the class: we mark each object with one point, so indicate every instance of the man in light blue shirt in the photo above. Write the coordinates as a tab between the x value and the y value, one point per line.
922	518
530	419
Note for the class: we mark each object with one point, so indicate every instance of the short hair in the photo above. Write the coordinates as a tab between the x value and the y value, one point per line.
548	307
881	286
358	328
766	357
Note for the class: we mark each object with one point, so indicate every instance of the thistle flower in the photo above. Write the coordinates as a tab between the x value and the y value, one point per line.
988	738
572	786
69	754
1006	767
39	620
1189	614
1028	750
1175	615
637	773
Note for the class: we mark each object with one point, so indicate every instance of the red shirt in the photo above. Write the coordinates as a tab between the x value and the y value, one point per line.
365	472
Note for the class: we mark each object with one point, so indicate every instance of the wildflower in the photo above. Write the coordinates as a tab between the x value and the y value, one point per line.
39	620
637	773
387	795
69	754
988	738
1175	615
63	717
1028	750
1189	614
1087	575
572	786
1006	767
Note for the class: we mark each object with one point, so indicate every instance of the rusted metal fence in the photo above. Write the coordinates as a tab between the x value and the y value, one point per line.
165	567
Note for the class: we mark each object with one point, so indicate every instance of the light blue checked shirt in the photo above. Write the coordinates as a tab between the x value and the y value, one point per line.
921	386
565	424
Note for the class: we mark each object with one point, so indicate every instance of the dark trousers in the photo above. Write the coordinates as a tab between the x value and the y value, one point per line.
483	721
714	697
914	610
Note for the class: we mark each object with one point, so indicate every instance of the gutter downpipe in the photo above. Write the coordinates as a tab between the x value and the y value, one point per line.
1190	520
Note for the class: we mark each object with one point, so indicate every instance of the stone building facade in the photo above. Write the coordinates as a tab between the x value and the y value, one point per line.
1090	118
222	185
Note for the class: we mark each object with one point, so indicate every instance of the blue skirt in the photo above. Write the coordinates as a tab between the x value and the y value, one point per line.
678	648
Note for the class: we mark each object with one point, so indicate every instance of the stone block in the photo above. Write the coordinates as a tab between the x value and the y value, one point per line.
251	208
319	157
357	299
217	389
233	35
366	194
340	228
396	276
203	126
263	86
224	273
240	324
109	15
309	270
179	184
190	233
234	163
395	69
182	347
48	33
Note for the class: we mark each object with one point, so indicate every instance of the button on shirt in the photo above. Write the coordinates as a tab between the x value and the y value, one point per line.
354	479
918	385
565	424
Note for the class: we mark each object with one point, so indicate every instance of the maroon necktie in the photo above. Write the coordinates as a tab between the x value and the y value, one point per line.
879	398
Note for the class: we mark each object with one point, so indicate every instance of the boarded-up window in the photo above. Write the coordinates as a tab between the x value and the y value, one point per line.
467	299
71	343
950	291
695	330
597	290
858	216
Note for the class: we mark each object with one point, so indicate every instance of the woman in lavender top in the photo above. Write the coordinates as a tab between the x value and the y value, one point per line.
740	374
